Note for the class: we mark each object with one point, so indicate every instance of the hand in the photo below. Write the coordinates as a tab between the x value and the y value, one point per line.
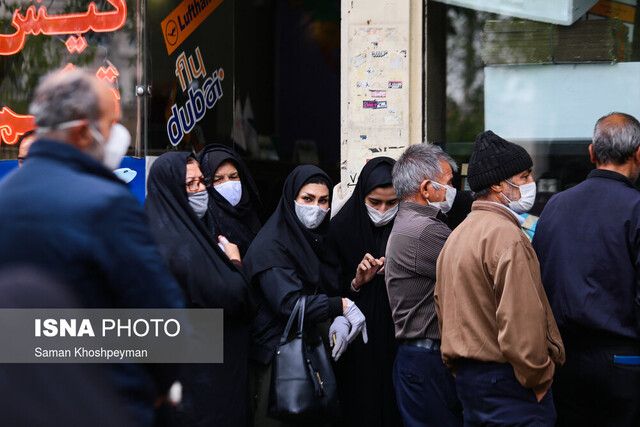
229	248
338	333
357	321
367	270
540	396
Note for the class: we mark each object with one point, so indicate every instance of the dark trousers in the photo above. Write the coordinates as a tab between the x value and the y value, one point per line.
492	396
425	389
592	390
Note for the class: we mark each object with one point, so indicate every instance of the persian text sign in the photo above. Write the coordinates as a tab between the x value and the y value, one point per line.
184	20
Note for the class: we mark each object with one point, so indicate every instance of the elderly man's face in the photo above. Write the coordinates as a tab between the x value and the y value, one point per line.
513	193
440	194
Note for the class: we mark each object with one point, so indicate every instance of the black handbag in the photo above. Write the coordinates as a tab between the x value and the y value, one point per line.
303	386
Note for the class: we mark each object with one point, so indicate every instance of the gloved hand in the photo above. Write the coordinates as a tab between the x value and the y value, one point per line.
357	321
338	333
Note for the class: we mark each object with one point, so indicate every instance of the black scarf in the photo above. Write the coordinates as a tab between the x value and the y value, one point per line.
239	223
352	234
285	242
204	272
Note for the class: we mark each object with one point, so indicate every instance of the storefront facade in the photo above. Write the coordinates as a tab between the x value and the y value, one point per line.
266	77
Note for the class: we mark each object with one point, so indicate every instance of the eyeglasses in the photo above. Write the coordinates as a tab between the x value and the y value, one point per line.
194	184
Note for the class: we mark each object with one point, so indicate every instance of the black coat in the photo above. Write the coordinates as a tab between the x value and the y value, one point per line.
240	223
364	372
213	394
286	260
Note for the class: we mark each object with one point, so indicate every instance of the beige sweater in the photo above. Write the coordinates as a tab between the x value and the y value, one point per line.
489	298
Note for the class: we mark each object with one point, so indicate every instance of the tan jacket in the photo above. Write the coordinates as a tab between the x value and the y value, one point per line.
490	302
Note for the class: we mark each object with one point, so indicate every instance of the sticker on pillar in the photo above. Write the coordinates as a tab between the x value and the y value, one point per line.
378	93
184	19
201	98
379	53
375	104
395	85
363	84
357	61
391	120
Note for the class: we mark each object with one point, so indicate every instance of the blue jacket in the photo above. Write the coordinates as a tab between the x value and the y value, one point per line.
66	214
588	244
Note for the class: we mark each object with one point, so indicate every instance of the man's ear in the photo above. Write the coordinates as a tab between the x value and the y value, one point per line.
497	187
636	156
591	155
424	192
81	136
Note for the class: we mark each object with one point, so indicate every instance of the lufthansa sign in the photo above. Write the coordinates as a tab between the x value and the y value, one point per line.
184	20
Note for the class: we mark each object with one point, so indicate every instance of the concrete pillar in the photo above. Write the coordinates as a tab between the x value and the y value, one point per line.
382	75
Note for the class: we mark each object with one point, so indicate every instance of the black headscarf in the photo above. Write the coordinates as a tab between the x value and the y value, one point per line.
285	242
352	234
239	223
205	273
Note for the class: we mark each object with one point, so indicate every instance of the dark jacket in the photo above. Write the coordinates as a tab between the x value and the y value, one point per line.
588	244
68	215
287	260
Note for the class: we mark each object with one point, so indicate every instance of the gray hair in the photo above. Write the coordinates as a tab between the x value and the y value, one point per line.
417	163
615	138
63	96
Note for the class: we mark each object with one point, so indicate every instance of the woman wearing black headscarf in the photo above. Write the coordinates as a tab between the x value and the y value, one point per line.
358	238
214	394
235	209
288	259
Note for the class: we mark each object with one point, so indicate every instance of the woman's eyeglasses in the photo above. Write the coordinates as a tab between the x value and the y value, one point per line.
194	184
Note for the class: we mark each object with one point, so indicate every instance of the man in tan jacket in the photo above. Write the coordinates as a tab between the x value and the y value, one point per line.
498	333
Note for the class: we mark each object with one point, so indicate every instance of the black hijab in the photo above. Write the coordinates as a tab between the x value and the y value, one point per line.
285	242
352	234
205	273
239	223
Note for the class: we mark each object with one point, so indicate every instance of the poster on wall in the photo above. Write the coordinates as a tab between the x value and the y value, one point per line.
38	37
378	93
191	73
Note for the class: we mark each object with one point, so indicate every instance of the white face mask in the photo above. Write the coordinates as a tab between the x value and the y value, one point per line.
450	196
310	215
527	197
114	148
199	202
230	190
381	219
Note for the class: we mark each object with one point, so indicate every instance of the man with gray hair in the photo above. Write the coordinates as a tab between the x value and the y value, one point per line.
425	390
588	243
67	214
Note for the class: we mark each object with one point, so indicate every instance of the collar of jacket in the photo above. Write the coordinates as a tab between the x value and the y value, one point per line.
495	208
71	157
603	173
423	210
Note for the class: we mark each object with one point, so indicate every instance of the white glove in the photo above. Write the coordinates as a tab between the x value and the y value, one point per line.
338	333
357	321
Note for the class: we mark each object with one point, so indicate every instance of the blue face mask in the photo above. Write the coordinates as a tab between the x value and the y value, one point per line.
199	202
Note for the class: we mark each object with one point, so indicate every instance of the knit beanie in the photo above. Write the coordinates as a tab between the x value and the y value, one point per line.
495	159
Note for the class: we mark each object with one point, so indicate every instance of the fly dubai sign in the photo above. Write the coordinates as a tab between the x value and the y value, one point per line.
200	98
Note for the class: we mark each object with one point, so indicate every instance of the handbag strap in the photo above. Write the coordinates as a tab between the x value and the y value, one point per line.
298	310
